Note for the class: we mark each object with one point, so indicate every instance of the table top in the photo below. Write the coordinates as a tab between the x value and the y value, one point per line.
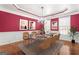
54	49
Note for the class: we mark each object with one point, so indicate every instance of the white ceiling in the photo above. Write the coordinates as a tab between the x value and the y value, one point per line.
49	9
36	8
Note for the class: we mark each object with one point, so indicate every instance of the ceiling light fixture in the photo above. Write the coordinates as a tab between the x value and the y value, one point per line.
42	19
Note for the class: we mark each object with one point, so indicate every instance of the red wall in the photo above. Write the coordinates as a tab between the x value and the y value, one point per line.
39	26
10	22
75	21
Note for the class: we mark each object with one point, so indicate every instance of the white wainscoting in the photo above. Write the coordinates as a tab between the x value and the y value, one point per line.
11	37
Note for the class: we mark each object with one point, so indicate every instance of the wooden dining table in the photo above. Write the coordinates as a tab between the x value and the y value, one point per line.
32	47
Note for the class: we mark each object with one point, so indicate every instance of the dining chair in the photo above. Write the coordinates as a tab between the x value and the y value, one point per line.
26	37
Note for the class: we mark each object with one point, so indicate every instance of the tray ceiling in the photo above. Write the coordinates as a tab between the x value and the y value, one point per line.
48	10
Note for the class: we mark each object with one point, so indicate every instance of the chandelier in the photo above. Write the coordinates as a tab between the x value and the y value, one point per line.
42	19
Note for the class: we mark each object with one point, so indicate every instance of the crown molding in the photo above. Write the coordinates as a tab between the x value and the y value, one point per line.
20	9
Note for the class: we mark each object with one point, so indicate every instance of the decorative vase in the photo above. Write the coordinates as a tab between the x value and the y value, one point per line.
73	41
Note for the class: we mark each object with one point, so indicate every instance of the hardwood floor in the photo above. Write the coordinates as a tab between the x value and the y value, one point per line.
74	48
12	49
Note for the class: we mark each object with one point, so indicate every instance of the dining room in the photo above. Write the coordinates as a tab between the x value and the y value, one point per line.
39	29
